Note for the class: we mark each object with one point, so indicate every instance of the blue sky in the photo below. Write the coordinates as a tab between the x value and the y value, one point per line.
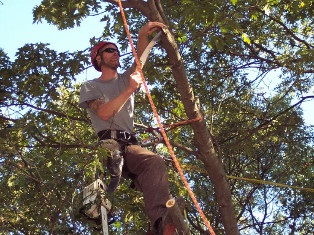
17	29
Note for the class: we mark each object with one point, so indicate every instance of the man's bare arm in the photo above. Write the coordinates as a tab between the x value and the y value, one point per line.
94	104
106	110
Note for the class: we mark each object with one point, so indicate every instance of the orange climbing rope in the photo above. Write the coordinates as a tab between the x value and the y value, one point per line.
139	68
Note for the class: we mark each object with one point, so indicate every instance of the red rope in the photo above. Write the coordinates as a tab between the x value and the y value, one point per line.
174	125
139	68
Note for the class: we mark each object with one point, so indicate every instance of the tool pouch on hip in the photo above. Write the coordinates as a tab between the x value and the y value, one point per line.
114	163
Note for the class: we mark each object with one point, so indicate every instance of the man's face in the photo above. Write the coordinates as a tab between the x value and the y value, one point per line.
109	56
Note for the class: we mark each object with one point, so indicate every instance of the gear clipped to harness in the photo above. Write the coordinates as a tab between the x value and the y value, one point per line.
115	163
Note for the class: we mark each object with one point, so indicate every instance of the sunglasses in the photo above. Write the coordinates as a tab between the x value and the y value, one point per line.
110	50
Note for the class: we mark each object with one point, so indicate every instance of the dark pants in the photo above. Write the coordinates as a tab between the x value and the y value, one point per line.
150	177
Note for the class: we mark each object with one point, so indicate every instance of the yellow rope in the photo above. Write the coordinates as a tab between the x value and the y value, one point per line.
271	183
197	169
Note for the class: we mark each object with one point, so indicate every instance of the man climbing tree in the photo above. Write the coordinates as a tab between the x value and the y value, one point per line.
249	63
109	101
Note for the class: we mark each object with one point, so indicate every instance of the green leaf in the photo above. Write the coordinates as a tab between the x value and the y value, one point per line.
246	38
233	2
11	181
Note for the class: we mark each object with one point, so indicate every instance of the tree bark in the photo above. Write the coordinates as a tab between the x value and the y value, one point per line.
202	138
175	213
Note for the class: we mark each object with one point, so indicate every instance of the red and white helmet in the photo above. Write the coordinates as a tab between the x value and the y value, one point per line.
95	53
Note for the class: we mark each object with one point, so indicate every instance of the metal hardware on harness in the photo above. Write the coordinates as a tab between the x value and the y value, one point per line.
127	136
154	140
91	196
114	134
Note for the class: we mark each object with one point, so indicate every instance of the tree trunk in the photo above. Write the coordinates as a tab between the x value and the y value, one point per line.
202	138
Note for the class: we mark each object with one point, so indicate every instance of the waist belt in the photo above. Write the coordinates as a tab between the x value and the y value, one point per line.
117	135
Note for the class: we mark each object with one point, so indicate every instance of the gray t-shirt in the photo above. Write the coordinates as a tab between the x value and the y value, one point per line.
108	90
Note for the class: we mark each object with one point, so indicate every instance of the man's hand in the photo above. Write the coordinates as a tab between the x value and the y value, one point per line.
135	80
144	32
149	28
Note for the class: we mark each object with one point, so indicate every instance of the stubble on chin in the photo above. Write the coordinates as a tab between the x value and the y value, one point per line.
116	66
113	64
